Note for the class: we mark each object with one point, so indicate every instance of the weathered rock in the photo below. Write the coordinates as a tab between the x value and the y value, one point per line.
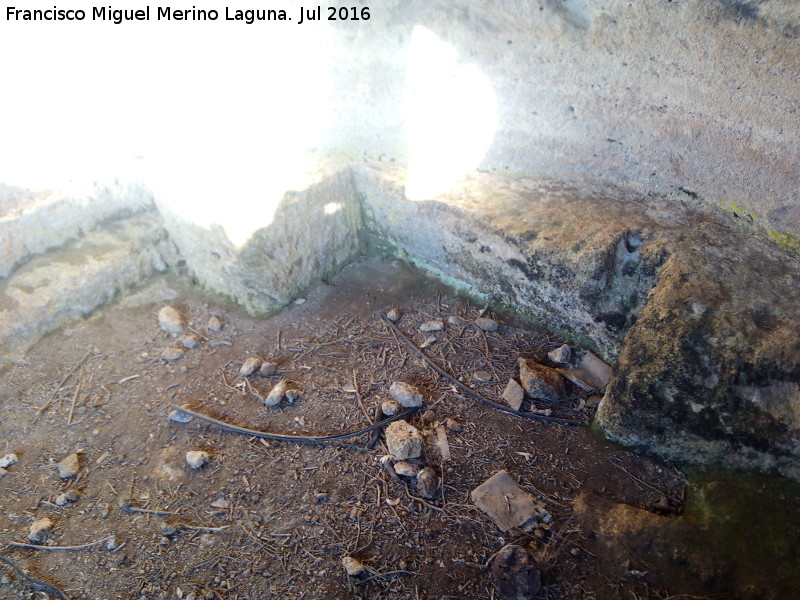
589	372
168	529
393	315
40	530
250	366
454	425
69	466
405	468
61	500
487	324
8	460
390	407
352	566
515	576
427	482
197	459
67	497
406	394
267	369
454	320
508	505
430	326
282	389
513	394
403	440
541	382
221	503
482	376
171	320
173	353
215	324
189	341
561	355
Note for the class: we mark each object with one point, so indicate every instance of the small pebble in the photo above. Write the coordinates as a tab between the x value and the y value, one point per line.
300	301
482	376
69	467
322	496
393	315
8	460
353	566
406	394
197	458
168	529
487	324
61	500
250	366
390	407
292	394
73	495
561	355
454	320
276	393
454	425
40	530
428	482
405	468
173	353
189	341
220	503
170	320
215	324
267	369
429	326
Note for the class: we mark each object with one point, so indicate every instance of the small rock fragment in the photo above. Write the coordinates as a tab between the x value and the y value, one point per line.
428	482
279	391
173	353
61	500
590	372
393	315
390	407
513	394
169	529
322	496
454	425
454	320
353	566
540	381
189	341
508	505
215	324
3	471
545	412
292	394
403	440
405	468
8	460
73	495
561	355
267	369
40	530
170	320
179	417
405	394
430	326
197	458
429	341
220	503
482	376
487	324
250	366
386	462
515	577
69	467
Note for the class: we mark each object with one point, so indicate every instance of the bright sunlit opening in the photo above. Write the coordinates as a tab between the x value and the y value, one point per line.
451	116
332	208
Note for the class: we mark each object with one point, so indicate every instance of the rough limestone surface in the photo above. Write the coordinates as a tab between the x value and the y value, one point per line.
403	440
312	234
405	394
58	287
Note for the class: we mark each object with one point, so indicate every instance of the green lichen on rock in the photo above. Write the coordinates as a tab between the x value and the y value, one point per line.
786	239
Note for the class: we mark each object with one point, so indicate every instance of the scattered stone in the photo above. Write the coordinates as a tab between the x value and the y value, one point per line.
220	503
405	394
386	463
513	394
40	530
428	482
431	326
292	394
322	496
279	391
540	381
515	577
545	412
8	460
482	376
73	495
429	341
403	440
508	505
189	341
267	369
179	417
353	566
173	353
300	301
390	407
487	324
561	355
215	324
197	459
393	315
171	320
61	500
454	320
589	373
405	468
428	417
250	366
69	467
454	425
169	529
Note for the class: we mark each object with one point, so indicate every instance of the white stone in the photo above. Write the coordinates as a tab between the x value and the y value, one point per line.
8	460
487	324
197	459
405	394
276	393
429	326
403	440
250	366
69	467
405	468
390	407
171	320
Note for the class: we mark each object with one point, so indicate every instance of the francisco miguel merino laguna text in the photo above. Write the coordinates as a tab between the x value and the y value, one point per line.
166	13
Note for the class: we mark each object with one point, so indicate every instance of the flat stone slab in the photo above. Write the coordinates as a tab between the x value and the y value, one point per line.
507	504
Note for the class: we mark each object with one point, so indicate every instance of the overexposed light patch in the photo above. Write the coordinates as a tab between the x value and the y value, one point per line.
450	113
333	207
